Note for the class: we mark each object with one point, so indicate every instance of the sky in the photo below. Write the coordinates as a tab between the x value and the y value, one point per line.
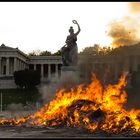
44	25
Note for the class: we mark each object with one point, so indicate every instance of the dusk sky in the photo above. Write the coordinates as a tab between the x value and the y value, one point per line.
44	25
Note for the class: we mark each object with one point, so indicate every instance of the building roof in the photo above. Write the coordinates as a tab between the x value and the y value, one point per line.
6	47
3	47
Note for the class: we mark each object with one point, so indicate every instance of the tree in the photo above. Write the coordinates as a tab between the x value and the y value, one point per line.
34	53
45	53
93	50
96	50
27	78
58	53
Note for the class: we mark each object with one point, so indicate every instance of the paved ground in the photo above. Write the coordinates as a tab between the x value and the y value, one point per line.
27	132
50	132
23	132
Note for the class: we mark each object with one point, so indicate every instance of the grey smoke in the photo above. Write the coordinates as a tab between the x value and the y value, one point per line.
15	107
66	81
71	80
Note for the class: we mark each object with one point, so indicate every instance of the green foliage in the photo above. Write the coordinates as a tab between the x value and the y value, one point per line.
45	53
27	78
34	53
96	50
16	96
57	53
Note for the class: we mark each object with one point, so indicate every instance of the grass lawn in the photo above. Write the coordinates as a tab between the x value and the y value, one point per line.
19	96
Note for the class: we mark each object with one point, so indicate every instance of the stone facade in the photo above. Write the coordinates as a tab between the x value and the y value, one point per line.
12	59
49	66
121	60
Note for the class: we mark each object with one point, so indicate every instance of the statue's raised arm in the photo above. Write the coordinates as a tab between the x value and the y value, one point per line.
70	49
79	29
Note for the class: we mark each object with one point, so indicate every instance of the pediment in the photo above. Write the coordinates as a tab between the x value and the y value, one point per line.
4	47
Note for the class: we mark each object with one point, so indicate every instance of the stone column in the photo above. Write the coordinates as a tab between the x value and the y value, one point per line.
42	71
11	68
135	64
21	65
7	66
49	71
108	67
86	72
17	67
126	64
101	66
34	66
25	65
56	70
15	63
93	67
0	66
18	64
116	71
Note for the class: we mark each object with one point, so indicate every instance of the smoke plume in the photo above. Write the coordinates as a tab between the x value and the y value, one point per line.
124	32
66	81
134	6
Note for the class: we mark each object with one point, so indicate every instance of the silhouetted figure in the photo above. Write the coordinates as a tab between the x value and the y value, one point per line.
70	50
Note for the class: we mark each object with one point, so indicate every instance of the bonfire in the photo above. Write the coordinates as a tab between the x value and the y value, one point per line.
90	106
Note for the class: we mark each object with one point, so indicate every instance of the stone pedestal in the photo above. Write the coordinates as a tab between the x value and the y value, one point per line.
70	73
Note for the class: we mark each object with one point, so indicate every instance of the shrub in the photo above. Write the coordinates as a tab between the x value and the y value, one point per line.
27	78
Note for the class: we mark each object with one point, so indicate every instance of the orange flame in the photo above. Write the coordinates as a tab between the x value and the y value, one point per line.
90	106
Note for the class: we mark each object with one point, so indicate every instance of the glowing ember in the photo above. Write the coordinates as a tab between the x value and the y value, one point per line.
90	106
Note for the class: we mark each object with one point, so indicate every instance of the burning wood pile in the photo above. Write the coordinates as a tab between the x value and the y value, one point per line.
92	107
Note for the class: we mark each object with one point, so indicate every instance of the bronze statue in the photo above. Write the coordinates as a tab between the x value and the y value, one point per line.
70	50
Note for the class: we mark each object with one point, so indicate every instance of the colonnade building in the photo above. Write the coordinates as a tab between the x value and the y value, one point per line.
12	59
120	60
